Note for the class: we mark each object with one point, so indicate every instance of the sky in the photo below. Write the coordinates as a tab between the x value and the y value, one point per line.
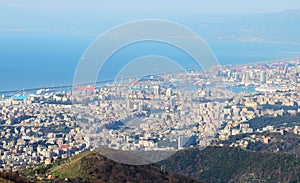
56	15
59	31
165	6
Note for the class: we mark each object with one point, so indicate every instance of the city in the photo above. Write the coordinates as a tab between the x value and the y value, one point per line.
42	127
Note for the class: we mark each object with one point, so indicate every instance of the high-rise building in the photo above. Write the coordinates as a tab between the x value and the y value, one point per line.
156	90
236	76
263	77
169	92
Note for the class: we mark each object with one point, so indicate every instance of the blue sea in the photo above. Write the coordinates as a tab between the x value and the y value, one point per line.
29	61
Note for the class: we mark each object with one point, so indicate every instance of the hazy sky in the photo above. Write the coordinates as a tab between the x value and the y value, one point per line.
167	6
59	15
50	32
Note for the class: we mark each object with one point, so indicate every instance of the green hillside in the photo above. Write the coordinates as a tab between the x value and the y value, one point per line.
277	122
225	164
93	167
213	164
279	143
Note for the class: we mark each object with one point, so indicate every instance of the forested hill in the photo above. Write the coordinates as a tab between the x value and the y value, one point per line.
229	164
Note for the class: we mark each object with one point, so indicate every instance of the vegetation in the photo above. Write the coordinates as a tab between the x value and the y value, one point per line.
5	180
225	164
93	167
286	143
213	164
277	122
69	168
282	143
8	177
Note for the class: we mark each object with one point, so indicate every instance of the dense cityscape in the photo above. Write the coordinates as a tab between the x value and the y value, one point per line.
147	115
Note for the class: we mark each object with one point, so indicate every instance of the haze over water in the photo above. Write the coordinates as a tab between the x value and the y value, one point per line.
43	61
42	42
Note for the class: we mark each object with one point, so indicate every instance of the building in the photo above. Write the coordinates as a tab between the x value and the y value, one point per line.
186	141
156	90
169	92
263	77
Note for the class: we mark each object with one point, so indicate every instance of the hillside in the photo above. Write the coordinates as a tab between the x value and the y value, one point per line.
93	167
8	177
277	122
274	27
213	164
5	180
225	164
278	143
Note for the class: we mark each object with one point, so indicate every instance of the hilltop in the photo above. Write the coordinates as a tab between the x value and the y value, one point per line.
93	167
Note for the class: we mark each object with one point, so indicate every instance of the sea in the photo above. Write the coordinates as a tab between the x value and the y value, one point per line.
32	61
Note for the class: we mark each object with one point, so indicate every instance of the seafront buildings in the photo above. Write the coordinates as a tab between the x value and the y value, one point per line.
180	110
